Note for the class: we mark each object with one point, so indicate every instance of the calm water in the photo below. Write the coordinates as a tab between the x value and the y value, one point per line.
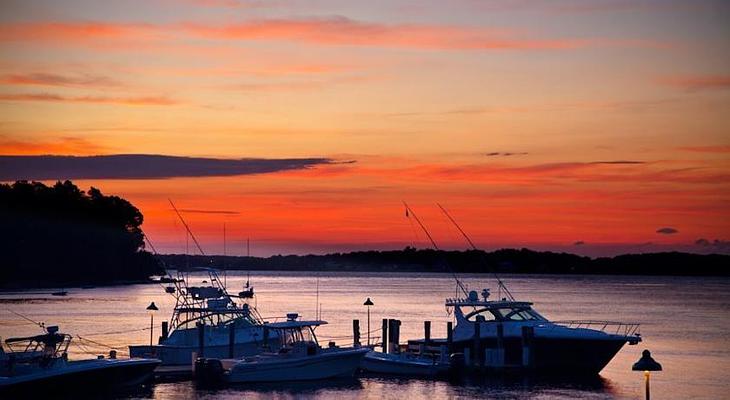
684	323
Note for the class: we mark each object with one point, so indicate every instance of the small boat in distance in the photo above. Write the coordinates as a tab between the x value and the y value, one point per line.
299	358
39	364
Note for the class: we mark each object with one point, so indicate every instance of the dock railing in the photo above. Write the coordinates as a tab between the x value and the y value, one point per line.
614	327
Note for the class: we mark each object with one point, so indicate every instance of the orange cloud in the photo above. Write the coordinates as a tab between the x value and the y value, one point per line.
64	145
130	101
697	82
322	31
49	79
707	149
345	31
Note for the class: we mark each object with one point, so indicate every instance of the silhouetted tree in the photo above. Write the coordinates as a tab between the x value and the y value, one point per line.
59	235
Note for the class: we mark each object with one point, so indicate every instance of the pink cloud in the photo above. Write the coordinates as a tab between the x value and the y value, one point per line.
696	82
48	97
333	31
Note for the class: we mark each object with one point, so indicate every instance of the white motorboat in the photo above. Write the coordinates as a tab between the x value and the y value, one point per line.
37	364
210	309
511	334
206	320
299	358
406	363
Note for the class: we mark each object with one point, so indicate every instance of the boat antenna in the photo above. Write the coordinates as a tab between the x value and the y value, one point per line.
187	228
410	212
453	221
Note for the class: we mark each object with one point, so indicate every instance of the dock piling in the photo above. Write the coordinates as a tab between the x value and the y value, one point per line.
201	339
231	339
427	332
450	336
356	332
165	331
478	360
528	334
385	336
266	337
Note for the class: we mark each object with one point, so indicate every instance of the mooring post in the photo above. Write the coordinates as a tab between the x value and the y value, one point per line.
478	359
165	331
394	337
528	333
499	356
201	339
266	337
450	336
356	332
427	333
385	335
231	339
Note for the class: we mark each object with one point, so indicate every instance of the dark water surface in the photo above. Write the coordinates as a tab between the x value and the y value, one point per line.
685	323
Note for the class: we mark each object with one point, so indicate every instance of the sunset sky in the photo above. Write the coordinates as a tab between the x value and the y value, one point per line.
595	127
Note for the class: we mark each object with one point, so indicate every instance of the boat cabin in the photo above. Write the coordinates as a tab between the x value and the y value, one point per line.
473	309
295	337
41	349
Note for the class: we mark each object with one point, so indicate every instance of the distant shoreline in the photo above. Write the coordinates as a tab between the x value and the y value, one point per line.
409	260
513	261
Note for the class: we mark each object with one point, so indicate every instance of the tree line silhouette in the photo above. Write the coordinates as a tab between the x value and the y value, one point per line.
472	261
60	235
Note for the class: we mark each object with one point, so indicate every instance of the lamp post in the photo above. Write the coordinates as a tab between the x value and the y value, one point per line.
152	308
646	364
368	303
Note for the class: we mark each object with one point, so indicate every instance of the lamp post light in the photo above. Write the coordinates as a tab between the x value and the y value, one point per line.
152	308
646	364
368	303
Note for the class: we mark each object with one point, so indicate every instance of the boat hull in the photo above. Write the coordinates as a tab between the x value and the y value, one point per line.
391	364
323	366
80	376
548	354
183	355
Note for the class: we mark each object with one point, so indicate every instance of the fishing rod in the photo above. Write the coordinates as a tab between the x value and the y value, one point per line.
409	212
40	324
187	228
499	281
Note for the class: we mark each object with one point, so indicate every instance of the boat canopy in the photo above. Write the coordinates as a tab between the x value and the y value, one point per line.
293	324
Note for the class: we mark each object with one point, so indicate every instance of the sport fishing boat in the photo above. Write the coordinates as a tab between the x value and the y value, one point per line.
36	364
299	358
206	314
510	334
206	320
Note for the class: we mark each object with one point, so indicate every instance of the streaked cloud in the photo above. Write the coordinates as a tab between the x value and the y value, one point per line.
697	82
667	231
707	149
50	97
65	145
194	211
141	166
505	154
51	79
333	31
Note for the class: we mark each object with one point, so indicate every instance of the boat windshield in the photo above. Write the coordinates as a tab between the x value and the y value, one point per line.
288	337
505	314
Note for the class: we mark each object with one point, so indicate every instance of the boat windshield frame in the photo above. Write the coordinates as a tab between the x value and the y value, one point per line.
523	311
50	345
